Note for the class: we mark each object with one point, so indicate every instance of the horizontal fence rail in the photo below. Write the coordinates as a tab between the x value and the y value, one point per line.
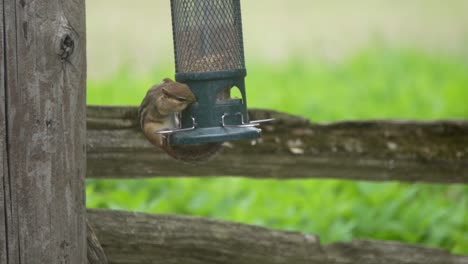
134	238
291	147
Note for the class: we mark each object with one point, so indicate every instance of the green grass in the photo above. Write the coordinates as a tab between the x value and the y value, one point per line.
376	83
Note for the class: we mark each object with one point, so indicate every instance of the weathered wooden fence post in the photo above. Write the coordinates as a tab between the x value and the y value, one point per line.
42	129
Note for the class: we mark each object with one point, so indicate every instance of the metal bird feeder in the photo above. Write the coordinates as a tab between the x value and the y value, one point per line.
209	58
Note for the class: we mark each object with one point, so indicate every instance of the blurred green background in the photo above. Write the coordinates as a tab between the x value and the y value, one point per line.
327	60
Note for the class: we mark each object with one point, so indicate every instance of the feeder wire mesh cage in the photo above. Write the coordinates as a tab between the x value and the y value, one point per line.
207	35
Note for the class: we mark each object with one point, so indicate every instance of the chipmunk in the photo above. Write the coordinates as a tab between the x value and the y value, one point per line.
158	111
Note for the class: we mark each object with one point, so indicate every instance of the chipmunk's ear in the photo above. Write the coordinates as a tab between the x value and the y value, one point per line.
167	80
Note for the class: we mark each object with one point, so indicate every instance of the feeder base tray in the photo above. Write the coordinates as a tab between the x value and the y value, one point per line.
214	134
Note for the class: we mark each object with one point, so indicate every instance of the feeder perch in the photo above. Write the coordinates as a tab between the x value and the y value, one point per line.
209	58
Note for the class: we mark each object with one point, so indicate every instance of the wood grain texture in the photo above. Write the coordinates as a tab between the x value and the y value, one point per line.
291	147
3	150
134	238
46	129
95	253
9	81
388	252
142	238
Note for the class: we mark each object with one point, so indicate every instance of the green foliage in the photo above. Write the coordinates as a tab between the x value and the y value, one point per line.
377	83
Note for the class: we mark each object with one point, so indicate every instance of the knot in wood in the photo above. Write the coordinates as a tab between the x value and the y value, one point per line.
67	46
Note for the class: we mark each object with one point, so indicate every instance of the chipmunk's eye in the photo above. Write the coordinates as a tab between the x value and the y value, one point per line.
181	99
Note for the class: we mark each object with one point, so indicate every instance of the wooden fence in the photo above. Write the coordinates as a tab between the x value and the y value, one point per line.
42	131
291	147
46	142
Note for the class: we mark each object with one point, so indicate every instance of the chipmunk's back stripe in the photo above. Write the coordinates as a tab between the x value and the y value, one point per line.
143	111
142	114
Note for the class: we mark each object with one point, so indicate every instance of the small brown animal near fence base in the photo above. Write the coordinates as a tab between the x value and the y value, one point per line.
45	145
